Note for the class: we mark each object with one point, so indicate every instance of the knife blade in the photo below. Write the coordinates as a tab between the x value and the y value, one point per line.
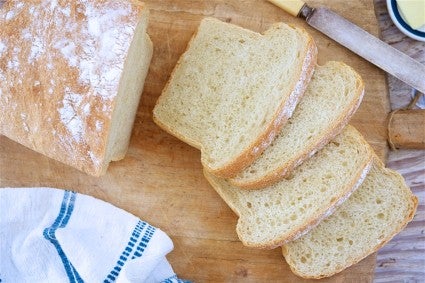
359	41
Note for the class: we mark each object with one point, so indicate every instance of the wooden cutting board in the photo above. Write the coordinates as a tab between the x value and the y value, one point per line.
160	180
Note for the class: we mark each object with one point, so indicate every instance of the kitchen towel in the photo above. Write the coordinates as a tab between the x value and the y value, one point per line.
52	235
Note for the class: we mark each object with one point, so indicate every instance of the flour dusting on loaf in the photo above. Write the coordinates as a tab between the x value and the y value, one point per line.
63	66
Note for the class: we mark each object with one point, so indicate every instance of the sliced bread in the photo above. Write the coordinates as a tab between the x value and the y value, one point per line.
375	213
233	89
286	210
332	97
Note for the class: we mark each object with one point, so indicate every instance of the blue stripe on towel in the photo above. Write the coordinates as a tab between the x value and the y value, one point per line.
144	242
61	221
174	279
122	259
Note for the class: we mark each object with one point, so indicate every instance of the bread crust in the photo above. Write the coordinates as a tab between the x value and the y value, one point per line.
401	226
300	231
313	222
285	111
286	168
297	232
49	103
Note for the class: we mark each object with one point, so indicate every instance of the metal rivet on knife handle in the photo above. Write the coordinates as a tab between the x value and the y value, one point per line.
359	41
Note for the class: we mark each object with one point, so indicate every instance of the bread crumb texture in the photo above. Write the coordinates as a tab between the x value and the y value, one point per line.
230	86
285	210
379	209
332	97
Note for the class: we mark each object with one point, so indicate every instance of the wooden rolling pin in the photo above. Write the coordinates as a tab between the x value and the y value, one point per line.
406	129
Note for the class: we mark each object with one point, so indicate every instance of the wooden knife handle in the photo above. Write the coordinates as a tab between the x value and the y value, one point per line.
292	7
407	129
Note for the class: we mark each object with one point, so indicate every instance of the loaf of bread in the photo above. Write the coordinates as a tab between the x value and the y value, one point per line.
286	210
71	76
233	89
374	214
332	97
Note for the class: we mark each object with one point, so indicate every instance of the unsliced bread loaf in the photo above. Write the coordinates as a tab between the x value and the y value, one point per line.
284	211
233	89
71	76
332	97
375	213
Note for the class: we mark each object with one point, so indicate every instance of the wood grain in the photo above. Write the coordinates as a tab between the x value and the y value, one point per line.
160	180
406	129
403	258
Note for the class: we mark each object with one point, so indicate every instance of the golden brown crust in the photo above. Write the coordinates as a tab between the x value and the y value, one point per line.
349	189
366	254
280	118
56	101
286	168
402	225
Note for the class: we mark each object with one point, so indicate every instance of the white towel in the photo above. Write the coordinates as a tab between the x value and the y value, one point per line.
51	235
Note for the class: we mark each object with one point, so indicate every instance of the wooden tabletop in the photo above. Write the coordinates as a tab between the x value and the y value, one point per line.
160	180
403	258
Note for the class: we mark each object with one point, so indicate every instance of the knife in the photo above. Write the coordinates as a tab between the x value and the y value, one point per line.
359	41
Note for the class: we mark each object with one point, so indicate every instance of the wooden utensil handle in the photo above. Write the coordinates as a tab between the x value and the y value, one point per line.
292	7
407	129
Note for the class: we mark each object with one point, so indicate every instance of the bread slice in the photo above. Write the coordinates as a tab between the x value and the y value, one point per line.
332	97
375	213
233	89
71	74
286	210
